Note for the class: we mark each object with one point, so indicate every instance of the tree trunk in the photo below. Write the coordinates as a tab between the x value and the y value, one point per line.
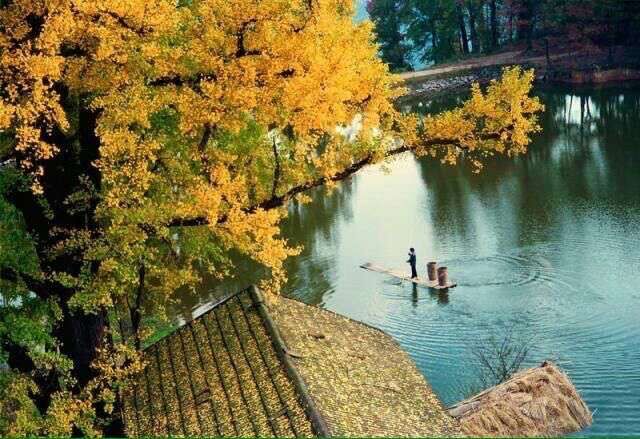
493	8
547	52
525	23
464	39
434	40
473	22
81	335
510	20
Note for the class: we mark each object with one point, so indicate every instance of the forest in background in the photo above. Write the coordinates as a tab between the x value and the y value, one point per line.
438	31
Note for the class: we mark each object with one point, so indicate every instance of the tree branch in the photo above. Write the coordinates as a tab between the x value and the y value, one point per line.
179	81
276	170
241	50
122	21
206	135
280	200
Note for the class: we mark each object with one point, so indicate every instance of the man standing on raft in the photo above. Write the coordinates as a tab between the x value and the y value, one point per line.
412	262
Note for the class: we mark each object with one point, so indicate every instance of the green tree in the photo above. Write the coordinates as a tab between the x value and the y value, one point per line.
433	28
387	18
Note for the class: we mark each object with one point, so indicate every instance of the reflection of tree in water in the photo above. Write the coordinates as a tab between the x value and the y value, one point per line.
586	152
312	226
309	225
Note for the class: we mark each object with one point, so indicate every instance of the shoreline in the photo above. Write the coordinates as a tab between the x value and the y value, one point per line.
437	81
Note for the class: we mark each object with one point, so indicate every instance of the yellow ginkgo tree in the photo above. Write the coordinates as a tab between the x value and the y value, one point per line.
144	141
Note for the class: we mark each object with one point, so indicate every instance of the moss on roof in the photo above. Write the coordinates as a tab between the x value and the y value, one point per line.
218	375
361	380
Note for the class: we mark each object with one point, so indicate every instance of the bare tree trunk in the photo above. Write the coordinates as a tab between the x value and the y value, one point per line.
511	23
525	23
434	39
493	11
547	53
473	22
464	38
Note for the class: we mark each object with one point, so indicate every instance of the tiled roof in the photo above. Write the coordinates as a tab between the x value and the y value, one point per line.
218	375
360	379
246	368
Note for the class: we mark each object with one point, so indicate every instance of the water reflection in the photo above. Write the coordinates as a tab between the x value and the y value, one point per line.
414	294
312	226
441	296
548	240
580	158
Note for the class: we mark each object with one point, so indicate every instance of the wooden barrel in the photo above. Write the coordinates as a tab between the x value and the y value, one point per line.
443	277
431	269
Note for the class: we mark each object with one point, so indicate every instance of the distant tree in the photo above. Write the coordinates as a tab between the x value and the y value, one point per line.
493	24
526	11
387	18
476	23
433	28
616	23
553	28
462	26
441	30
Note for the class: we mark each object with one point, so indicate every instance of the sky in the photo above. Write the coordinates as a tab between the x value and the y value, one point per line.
361	9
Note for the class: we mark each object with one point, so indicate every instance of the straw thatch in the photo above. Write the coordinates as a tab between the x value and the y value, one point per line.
537	402
361	380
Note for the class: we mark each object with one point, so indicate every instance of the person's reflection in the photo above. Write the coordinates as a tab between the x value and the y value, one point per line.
414	294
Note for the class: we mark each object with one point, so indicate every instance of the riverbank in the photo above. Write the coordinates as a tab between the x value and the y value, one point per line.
587	67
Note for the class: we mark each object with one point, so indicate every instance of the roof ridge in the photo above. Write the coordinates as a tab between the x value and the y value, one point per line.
206	308
318	421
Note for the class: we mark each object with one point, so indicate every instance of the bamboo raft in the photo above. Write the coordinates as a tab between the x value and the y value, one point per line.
399	274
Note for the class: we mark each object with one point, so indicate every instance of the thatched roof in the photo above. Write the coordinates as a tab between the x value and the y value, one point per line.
537	402
361	380
218	375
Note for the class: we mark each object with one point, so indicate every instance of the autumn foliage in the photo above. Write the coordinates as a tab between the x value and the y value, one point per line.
143	142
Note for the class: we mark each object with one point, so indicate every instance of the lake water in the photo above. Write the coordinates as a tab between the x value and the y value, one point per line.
548	244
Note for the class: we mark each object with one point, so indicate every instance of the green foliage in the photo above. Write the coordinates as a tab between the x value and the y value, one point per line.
387	16
441	30
17	250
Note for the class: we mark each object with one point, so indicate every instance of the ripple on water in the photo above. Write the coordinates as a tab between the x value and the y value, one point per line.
566	311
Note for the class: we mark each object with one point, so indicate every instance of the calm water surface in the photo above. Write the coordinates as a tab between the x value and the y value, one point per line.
548	243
